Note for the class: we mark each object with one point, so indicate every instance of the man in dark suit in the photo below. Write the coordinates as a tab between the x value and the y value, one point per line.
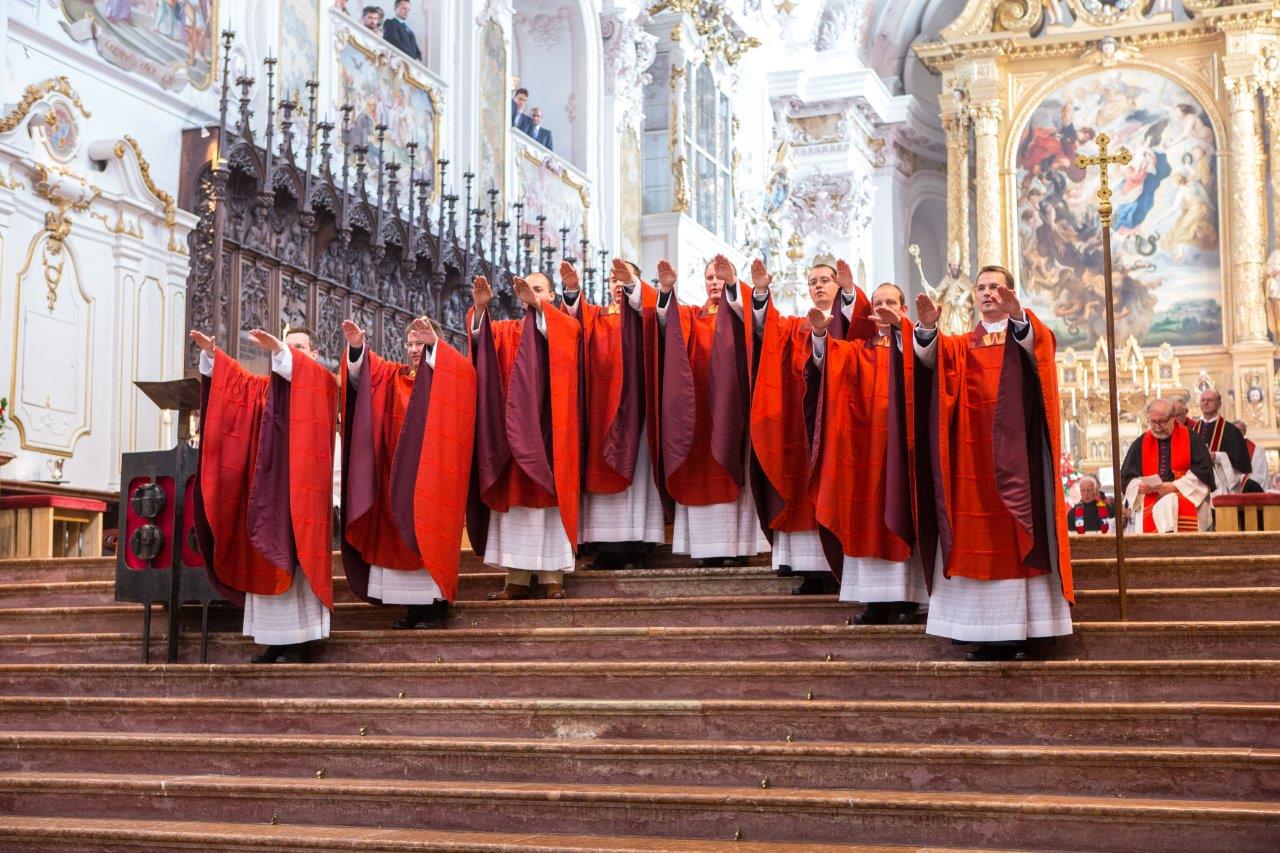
540	134
519	120
398	34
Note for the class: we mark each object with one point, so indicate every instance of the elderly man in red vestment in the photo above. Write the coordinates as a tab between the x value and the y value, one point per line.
264	490
622	514
1000	560
699	366
863	455
526	476
408	431
1167	476
784	385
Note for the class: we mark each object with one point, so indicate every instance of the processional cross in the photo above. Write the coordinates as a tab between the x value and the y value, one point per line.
1103	160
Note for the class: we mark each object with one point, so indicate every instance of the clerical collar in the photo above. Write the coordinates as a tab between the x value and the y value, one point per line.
1209	421
998	326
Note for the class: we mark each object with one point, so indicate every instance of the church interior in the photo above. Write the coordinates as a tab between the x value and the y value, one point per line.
234	165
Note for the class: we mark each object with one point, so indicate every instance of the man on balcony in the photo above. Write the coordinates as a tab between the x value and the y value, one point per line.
540	134
397	33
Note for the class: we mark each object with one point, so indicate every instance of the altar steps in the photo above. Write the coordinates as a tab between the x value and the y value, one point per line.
677	708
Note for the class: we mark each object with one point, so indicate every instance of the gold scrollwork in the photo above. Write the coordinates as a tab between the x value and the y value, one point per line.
1020	16
170	209
680	202
568	179
33	93
57	227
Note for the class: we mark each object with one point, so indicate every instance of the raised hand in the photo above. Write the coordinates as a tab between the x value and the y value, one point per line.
622	272
818	321
423	327
666	276
353	333
927	311
887	316
724	270
203	341
844	276
481	293
760	278
569	276
1007	301
266	341
526	294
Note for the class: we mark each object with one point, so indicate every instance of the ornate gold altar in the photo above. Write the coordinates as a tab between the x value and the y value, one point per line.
1190	87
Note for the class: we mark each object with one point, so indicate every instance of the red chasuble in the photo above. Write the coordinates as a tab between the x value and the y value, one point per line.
993	521
272	440
860	482
527	419
407	458
613	349
698	369
1179	463
783	410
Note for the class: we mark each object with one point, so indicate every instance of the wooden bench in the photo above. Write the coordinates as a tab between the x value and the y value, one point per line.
1247	512
43	526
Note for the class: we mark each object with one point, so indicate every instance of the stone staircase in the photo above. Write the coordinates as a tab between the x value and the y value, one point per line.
670	709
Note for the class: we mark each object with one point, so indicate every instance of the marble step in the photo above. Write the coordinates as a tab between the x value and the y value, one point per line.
1145	575
1191	566
24	833
1091	641
1166	723
1086	681
1111	771
775	814
1218	604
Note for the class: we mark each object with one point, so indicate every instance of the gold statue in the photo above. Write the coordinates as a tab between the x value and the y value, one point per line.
954	293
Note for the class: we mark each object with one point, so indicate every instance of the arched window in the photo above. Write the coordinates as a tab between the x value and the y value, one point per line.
708	136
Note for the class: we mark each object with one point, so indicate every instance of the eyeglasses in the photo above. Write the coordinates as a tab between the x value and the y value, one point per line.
1160	421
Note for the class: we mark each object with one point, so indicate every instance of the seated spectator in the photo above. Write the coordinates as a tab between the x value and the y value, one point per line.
371	17
397	33
1167	476
1258	456
519	120
540	134
1179	404
1094	512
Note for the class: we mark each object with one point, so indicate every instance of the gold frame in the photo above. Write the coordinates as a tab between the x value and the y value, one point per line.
36	92
213	48
568	180
380	58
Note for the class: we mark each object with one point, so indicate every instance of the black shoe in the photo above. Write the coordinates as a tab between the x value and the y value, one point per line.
607	561
876	613
998	652
711	562
269	655
295	653
811	585
908	613
785	572
415	615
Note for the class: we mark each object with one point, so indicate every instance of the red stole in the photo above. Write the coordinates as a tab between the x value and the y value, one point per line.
232	431
1214	441
779	434
517	485
700	408
441	459
991	535
1179	463
605	375
849	484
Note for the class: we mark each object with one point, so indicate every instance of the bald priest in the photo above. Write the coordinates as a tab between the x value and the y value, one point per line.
1167	476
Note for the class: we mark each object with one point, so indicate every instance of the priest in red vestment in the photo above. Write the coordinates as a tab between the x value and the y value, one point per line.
783	407
862	461
986	408
264	486
699	367
1167	476
408	431
523	514
622	514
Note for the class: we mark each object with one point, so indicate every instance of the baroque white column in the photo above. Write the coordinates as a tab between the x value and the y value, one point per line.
1247	212
956	128
986	135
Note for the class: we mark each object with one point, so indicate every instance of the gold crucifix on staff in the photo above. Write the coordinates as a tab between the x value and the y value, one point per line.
1103	160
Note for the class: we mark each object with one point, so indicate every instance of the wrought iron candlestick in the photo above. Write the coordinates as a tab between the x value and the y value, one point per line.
493	225
267	184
